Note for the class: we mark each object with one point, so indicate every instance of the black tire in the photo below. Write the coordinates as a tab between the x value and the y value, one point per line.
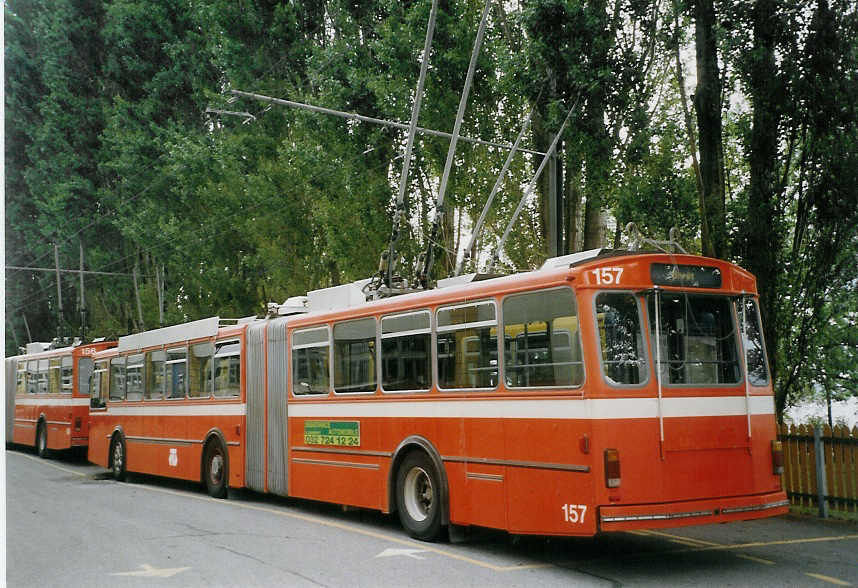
418	496
215	469
42	441
118	459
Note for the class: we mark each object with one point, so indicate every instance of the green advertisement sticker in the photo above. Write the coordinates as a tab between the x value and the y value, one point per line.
340	433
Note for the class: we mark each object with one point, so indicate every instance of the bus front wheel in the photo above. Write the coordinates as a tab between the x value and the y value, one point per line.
117	451
418	496
42	441
215	469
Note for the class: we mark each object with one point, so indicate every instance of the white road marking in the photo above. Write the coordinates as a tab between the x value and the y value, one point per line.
148	571
393	552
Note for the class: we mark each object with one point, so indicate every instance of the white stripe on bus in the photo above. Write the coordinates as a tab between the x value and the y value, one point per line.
593	408
51	401
176	410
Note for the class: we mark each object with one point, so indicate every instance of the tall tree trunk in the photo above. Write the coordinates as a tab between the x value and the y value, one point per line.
598	157
762	223
573	200
707	101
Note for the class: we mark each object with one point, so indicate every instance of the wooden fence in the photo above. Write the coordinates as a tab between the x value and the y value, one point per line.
839	447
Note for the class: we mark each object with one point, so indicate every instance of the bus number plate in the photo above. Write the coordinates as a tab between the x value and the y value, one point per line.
574	513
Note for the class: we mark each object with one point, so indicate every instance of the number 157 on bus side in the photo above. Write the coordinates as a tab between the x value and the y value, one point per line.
574	513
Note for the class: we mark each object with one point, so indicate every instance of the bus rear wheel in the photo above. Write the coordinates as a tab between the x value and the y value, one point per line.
117	462
418	496
215	469
42	441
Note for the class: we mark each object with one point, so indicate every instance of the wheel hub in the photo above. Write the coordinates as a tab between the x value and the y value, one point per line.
419	494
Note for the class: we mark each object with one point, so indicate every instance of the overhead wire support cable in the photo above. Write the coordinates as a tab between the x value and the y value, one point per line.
529	189
469	249
63	270
406	165
425	277
378	121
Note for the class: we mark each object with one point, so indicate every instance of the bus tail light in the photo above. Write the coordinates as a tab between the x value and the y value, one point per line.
777	458
612	468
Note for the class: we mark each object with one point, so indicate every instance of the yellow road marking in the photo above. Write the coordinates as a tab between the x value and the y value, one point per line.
781	542
680	538
828	579
326	523
760	560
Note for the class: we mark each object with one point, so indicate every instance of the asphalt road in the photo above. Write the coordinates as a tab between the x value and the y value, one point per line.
69	524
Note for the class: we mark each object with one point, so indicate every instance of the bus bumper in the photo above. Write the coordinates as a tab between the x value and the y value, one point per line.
693	512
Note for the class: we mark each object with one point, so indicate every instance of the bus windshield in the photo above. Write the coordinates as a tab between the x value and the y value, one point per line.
697	338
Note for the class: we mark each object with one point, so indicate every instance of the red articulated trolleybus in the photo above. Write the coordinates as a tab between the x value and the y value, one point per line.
608	390
47	396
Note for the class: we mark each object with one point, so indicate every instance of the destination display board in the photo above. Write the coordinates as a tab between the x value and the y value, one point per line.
692	276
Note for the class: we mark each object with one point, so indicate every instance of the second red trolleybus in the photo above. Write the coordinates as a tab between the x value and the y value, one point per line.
47	396
608	390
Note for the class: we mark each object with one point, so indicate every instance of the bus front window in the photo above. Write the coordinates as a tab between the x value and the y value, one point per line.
697	338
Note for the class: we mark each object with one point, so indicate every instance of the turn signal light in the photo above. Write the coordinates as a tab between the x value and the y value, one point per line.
612	468
777	458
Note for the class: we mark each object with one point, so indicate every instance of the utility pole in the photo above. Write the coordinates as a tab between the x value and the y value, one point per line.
141	326
159	278
82	298
27	327
59	294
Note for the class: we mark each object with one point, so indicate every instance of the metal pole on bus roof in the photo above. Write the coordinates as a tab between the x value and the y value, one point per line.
451	150
412	127
27	327
469	249
529	189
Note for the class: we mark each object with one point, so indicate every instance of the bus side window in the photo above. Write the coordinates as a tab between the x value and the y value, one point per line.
546	342
467	346
100	383
176	376
134	377
42	380
354	356
54	375
155	374
32	377
67	374
200	370
406	358
21	382
752	341
311	361
227	369
117	378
